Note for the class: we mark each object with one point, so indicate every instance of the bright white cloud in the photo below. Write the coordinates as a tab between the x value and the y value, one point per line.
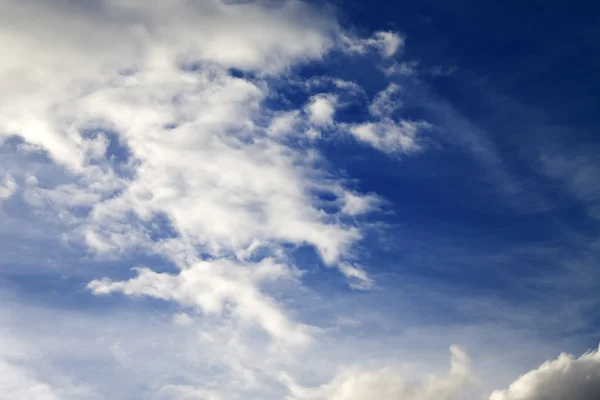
390	42
284	123
390	137
321	109
357	204
391	384
211	286
196	167
566	377
385	133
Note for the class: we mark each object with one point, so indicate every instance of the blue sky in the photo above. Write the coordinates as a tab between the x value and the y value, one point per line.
337	201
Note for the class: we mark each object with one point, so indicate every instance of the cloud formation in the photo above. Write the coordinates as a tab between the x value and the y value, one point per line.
566	377
385	42
390	384
210	286
386	132
390	137
159	120
172	139
321	109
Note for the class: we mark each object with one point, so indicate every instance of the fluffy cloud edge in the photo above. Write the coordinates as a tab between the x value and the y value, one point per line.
565	377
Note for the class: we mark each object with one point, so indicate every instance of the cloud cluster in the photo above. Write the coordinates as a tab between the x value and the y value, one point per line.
385	42
321	109
390	384
386	132
157	114
566	377
146	87
158	117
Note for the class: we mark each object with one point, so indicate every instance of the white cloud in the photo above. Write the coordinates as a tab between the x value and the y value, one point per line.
385	103
16	383
183	319
220	191
384	133
387	43
358	204
390	42
566	377
321	109
164	151
388	136
313	134
359	279
391	384
211	287
405	68
232	34
284	123
45	90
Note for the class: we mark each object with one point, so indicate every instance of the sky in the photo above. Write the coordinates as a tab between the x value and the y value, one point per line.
294	200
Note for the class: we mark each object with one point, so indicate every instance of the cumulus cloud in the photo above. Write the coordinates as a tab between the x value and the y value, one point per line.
389	136
391	384
321	109
386	133
566	377
284	123
358	204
